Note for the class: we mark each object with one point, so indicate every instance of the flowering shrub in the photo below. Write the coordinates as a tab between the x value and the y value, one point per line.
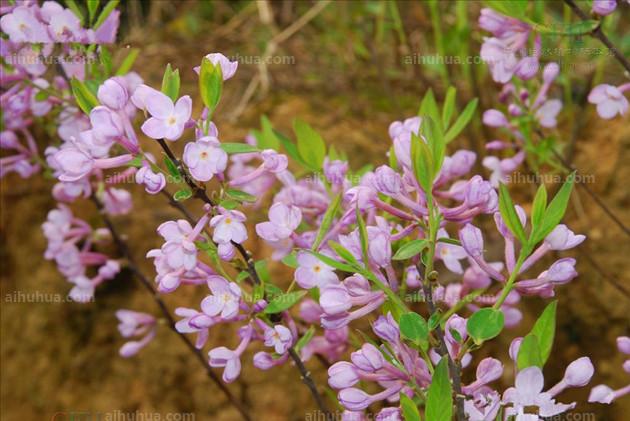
359	249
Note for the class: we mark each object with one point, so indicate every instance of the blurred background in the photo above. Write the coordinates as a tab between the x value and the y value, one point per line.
348	68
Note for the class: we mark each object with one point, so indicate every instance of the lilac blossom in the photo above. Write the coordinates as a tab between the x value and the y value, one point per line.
134	324
205	158
609	100
167	118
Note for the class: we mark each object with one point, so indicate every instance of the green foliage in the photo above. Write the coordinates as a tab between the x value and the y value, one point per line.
210	84
284	302
414	327
128	62
310	145
529	353
236	148
409	408
84	97
170	83
410	249
485	324
267	138
439	405
181	195
509	215
327	221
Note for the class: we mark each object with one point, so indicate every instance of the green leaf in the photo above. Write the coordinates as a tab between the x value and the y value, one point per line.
514	8
529	353
241	196
310	145
210	83
236	148
409	408
284	302
449	107
449	241
171	167
555	211
327	221
574	28
410	249
363	235
291	149
545	330
170	83
92	7
414	327
84	97
229	204
343	252
485	324
538	207
305	339
261	269
462	121
429	108
422	163
434	320
439	405
42	95
181	195
333	263
106	60
107	10
267	138
290	260
435	140
509	215
127	63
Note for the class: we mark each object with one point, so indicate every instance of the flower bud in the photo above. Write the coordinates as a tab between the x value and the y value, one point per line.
387	181
494	118
368	358
342	375
112	94
354	399
550	73
334	299
579	372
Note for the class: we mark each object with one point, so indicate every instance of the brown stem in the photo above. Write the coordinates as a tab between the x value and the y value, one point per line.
599	34
200	193
308	381
454	368
124	251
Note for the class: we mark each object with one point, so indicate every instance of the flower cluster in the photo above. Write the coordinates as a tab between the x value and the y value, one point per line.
360	244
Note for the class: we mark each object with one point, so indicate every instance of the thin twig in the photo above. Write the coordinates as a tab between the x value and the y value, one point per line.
599	34
123	249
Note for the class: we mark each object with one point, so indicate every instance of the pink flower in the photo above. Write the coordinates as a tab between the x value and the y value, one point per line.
228	68
449	253
205	158
22	26
562	238
133	323
228	226
179	249
228	359
609	100
64	26
167	119
225	298
283	220
153	182
528	393
604	7
548	112
311	272
279	337
113	94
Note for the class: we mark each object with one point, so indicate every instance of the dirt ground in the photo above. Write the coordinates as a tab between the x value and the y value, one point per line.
61	356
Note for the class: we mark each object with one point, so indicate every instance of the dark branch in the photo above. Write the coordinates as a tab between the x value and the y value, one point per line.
599	34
